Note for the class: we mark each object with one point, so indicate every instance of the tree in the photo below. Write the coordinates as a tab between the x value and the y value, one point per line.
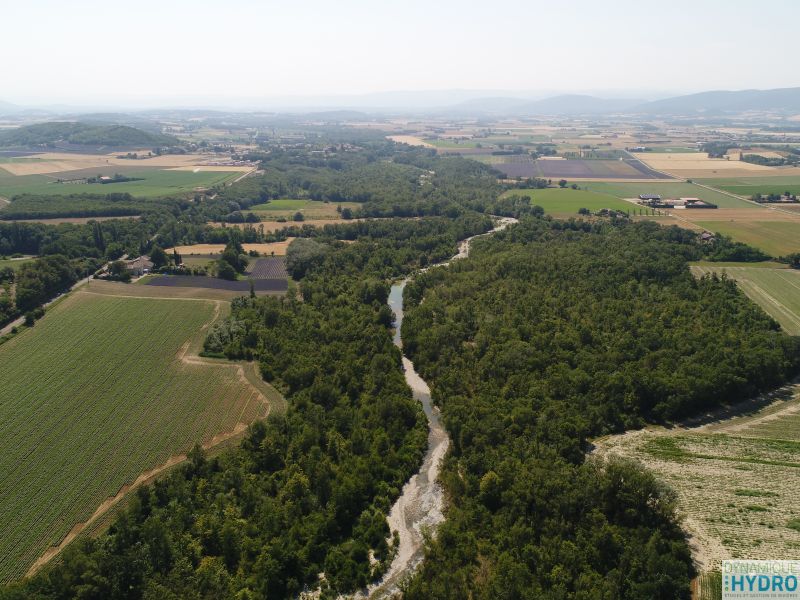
119	271
158	257
562	183
225	270
298	216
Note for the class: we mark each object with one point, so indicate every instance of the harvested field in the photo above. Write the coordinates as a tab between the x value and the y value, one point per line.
411	140
698	165
776	238
59	162
103	389
736	478
279	248
240	287
776	290
269	268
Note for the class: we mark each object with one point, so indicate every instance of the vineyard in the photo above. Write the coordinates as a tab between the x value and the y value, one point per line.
736	481
101	390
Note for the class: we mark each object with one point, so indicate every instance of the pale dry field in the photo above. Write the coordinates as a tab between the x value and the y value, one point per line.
736	478
279	248
213	169
698	165
411	140
59	162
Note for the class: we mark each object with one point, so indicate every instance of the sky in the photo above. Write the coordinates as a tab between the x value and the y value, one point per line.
240	52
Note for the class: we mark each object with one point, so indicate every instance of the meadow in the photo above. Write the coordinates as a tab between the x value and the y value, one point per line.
154	183
667	190
310	209
566	202
777	291
15	263
776	238
101	390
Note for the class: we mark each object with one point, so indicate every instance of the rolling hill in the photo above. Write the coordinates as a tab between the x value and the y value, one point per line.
58	133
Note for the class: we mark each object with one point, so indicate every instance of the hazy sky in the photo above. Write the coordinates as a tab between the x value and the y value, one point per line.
84	51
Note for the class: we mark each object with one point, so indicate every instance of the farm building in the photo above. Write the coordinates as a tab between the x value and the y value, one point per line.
139	266
677	203
649	196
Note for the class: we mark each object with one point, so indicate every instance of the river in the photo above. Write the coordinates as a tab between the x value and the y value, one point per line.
420	506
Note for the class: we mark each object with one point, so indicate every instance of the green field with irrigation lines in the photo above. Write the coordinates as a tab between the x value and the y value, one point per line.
101	390
777	291
566	202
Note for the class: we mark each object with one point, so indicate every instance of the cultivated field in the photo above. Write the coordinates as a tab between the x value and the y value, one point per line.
152	182
699	165
60	162
777	291
667	190
102	390
775	237
736	479
566	202
575	169
747	186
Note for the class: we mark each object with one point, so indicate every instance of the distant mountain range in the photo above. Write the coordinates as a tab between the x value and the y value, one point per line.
786	100
88	134
467	103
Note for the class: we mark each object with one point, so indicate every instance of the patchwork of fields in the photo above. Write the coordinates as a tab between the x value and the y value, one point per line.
101	390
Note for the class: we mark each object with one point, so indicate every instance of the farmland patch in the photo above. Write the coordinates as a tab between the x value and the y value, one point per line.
566	202
104	388
776	238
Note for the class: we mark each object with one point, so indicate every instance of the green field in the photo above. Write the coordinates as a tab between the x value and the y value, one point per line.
747	186
456	144
311	209
95	394
776	238
667	190
566	202
777	291
155	182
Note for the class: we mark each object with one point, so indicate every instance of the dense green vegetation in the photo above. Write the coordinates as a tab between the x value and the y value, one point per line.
307	492
89	134
550	333
117	404
74	205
